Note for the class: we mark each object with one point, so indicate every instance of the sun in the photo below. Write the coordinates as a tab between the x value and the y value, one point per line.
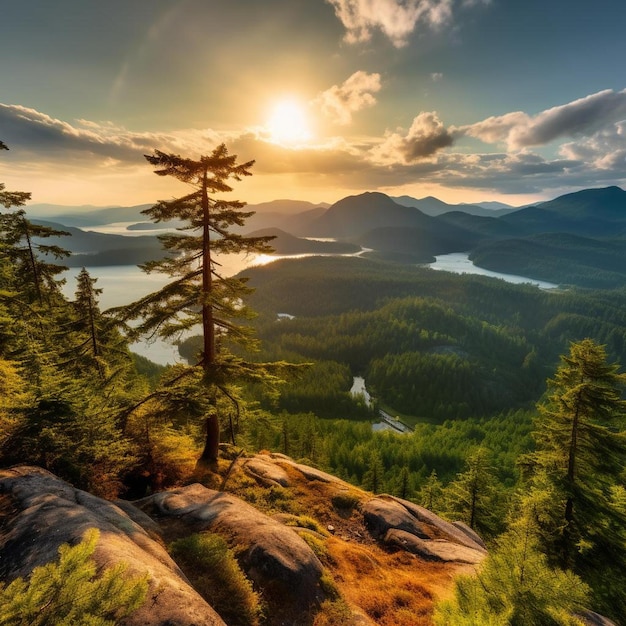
288	123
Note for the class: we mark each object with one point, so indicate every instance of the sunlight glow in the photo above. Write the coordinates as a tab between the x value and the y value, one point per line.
288	124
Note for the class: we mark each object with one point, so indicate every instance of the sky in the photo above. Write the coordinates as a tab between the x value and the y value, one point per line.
465	100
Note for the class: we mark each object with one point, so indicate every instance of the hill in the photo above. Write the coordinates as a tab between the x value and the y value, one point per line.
90	249
590	212
435	207
82	216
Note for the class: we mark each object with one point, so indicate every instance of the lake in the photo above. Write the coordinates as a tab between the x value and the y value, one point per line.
459	263
122	284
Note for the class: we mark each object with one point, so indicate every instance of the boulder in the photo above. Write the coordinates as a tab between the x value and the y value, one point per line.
40	512
274	556
470	532
265	471
433	549
413	528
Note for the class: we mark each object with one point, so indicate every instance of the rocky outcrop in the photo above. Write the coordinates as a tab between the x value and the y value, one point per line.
40	512
411	527
274	556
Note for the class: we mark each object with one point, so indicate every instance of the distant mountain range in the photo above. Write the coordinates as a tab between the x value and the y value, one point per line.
577	238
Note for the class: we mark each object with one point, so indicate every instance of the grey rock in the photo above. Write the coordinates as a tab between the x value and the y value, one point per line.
413	528
593	619
45	512
470	532
265	471
433	549
273	555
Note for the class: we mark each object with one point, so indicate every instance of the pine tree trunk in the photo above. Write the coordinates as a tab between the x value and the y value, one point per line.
212	442
211	446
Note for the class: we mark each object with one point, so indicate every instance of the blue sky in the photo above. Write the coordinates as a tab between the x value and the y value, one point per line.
467	100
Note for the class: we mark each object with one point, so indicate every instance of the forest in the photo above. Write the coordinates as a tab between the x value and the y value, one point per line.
514	394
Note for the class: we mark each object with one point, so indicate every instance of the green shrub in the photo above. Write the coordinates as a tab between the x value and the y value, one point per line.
346	501
334	613
70	591
214	572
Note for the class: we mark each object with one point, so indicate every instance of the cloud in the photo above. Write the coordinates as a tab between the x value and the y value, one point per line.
436	77
341	101
397	19
582	117
606	150
32	134
100	162
426	136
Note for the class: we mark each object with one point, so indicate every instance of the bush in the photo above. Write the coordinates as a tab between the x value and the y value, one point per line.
70	592
214	572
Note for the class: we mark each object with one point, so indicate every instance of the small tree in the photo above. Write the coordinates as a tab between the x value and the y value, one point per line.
199	294
72	592
515	587
431	493
474	495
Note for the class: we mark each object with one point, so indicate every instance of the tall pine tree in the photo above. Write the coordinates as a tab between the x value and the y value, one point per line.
581	453
199	294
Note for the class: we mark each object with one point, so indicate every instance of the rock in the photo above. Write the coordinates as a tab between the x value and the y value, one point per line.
471	533
268	473
433	549
274	556
381	515
439	528
310	473
593	619
41	512
413	528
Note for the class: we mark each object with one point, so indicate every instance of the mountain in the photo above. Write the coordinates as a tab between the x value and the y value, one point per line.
288	207
484	227
296	223
92	249
355	215
435	207
590	212
491	205
81	216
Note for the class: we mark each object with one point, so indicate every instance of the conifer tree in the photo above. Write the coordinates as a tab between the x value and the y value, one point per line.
516	586
20	242
199	294
581	453
430	495
71	591
473	496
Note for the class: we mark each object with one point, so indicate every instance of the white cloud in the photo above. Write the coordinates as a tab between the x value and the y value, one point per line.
397	19
341	101
426	137
582	117
606	150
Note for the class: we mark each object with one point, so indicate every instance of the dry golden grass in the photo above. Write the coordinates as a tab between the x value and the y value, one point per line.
392	588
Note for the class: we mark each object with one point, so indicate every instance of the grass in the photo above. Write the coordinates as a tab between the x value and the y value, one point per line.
215	574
